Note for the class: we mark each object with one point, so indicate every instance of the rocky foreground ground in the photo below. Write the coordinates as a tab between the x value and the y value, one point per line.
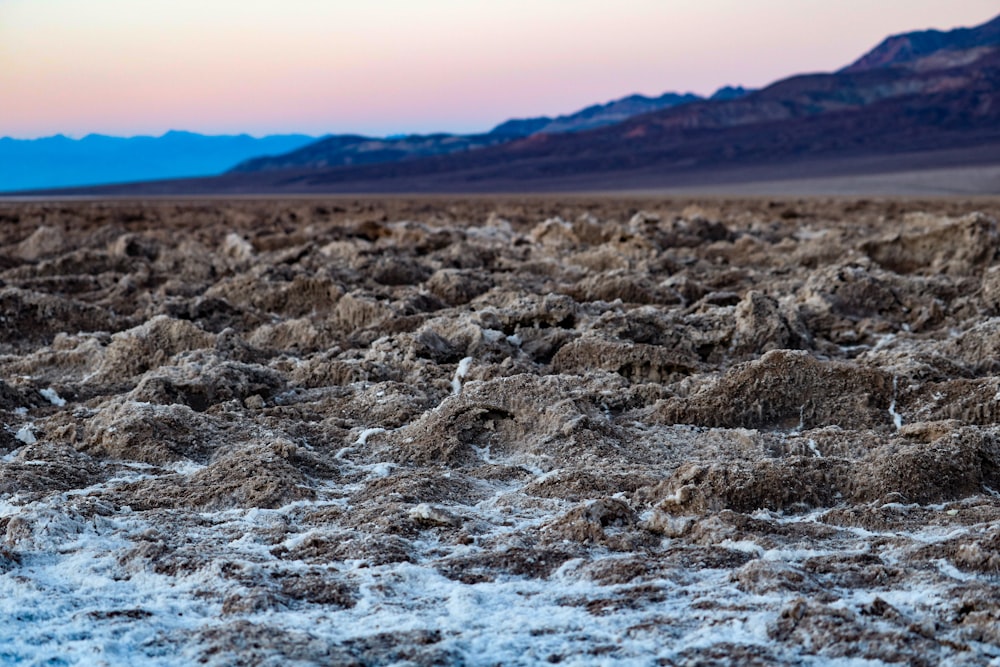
443	432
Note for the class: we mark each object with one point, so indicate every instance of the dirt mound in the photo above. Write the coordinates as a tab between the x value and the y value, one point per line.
155	434
262	475
619	286
45	241
201	380
296	336
976	554
33	319
608	522
509	417
456	287
785	389
835	632
291	297
12	399
977	348
416	487
956	466
535	563
357	310
634	361
841	302
968	401
40	469
794	483
149	345
939	245
763	325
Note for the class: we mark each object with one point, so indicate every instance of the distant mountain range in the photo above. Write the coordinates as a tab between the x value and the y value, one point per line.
54	162
917	100
95	159
844	116
353	150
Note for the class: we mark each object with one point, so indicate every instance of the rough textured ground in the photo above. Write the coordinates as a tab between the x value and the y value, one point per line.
443	432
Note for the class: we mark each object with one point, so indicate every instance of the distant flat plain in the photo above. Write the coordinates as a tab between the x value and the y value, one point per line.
955	172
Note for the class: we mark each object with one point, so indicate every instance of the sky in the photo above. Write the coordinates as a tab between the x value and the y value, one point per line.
126	67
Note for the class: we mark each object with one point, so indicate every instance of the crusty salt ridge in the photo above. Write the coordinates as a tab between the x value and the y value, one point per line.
518	431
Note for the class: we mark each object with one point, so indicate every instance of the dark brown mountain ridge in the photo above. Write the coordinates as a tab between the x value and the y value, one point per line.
906	49
351	150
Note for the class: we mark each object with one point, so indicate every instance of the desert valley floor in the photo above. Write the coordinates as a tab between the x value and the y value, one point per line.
500	431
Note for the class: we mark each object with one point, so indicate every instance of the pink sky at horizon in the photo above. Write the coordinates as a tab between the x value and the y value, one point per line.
391	66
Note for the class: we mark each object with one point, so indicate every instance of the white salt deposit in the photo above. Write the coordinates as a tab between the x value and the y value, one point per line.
811	443
492	335
26	435
381	469
185	467
52	397
427	513
75	600
460	373
897	419
367	433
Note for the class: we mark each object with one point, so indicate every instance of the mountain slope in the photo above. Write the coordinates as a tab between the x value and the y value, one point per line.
347	150
814	117
95	159
907	48
598	115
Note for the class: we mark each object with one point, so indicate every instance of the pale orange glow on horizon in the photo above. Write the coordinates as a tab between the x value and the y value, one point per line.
261	66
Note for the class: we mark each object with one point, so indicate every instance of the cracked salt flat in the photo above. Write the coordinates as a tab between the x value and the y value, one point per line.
68	602
583	430
72	605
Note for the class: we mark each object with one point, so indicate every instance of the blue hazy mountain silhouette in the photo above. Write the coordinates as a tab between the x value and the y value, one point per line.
98	159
